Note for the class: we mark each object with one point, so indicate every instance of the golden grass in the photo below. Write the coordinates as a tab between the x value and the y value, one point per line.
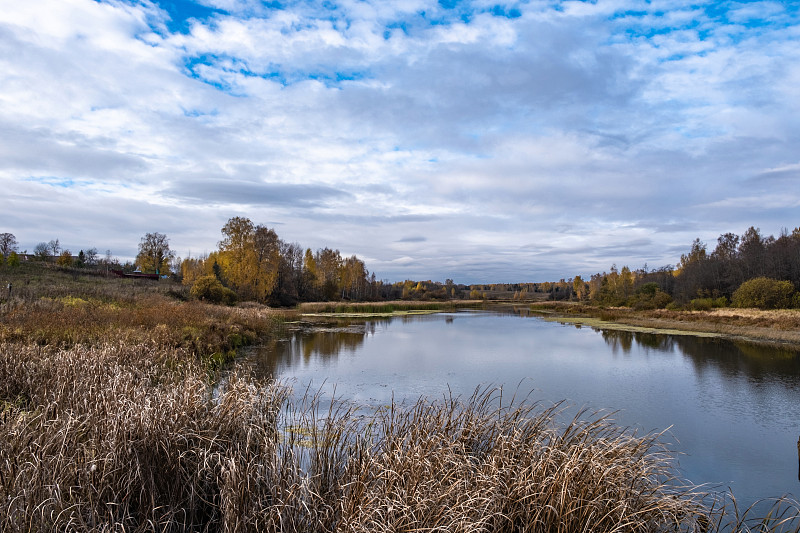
771	326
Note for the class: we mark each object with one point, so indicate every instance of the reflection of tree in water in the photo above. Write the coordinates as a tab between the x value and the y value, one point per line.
624	340
318	342
756	362
325	344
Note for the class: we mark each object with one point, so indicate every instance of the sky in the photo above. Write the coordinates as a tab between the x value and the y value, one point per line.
478	140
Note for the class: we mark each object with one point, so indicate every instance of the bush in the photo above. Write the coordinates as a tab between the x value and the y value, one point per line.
650	296
210	289
701	304
764	293
13	260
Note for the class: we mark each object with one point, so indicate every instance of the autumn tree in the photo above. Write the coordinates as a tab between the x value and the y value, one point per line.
65	258
238	260
13	259
154	254
309	285
328	263
579	287
268	258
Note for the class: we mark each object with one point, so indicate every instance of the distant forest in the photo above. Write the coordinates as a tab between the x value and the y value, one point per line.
750	270
254	264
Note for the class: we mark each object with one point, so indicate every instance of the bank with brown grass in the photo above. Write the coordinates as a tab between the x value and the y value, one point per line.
780	326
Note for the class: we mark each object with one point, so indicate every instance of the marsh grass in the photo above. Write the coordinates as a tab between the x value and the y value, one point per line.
105	438
117	437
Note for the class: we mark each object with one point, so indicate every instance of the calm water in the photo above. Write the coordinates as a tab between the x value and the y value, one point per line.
733	408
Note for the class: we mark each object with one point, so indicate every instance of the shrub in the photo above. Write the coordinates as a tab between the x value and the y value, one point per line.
701	304
764	293
210	289
13	259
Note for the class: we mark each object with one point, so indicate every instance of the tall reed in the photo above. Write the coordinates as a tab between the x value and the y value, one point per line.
123	437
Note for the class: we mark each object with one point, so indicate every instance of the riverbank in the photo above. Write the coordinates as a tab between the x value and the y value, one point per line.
384	309
779	327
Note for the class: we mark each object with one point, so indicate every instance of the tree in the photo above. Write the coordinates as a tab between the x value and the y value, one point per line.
90	257
329	263
65	258
42	251
154	254
54	246
578	287
13	259
238	259
8	244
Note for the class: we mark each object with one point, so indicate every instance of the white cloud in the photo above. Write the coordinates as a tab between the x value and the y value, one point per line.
555	142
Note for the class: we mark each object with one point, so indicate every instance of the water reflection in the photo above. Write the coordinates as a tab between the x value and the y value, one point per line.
757	362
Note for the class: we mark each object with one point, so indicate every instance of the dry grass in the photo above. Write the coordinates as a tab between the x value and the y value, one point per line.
131	438
776	326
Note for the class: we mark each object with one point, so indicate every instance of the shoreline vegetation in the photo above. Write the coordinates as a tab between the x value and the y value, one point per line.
384	309
110	421
777	326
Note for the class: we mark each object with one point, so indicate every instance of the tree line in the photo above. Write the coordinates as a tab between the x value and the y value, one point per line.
253	263
747	270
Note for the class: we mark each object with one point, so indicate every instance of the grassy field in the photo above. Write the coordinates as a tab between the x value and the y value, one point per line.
110	421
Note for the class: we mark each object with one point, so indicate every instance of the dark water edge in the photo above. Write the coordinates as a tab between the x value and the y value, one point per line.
731	409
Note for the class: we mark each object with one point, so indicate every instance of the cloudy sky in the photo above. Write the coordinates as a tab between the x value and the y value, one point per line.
470	139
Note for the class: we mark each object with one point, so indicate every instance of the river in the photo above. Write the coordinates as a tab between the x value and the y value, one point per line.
732	409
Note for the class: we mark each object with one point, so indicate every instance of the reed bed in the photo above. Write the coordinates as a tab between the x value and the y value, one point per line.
129	437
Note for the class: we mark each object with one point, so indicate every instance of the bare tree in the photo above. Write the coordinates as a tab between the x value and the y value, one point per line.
54	246
8	244
42	250
90	257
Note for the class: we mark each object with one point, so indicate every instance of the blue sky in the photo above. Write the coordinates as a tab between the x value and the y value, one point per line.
476	140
